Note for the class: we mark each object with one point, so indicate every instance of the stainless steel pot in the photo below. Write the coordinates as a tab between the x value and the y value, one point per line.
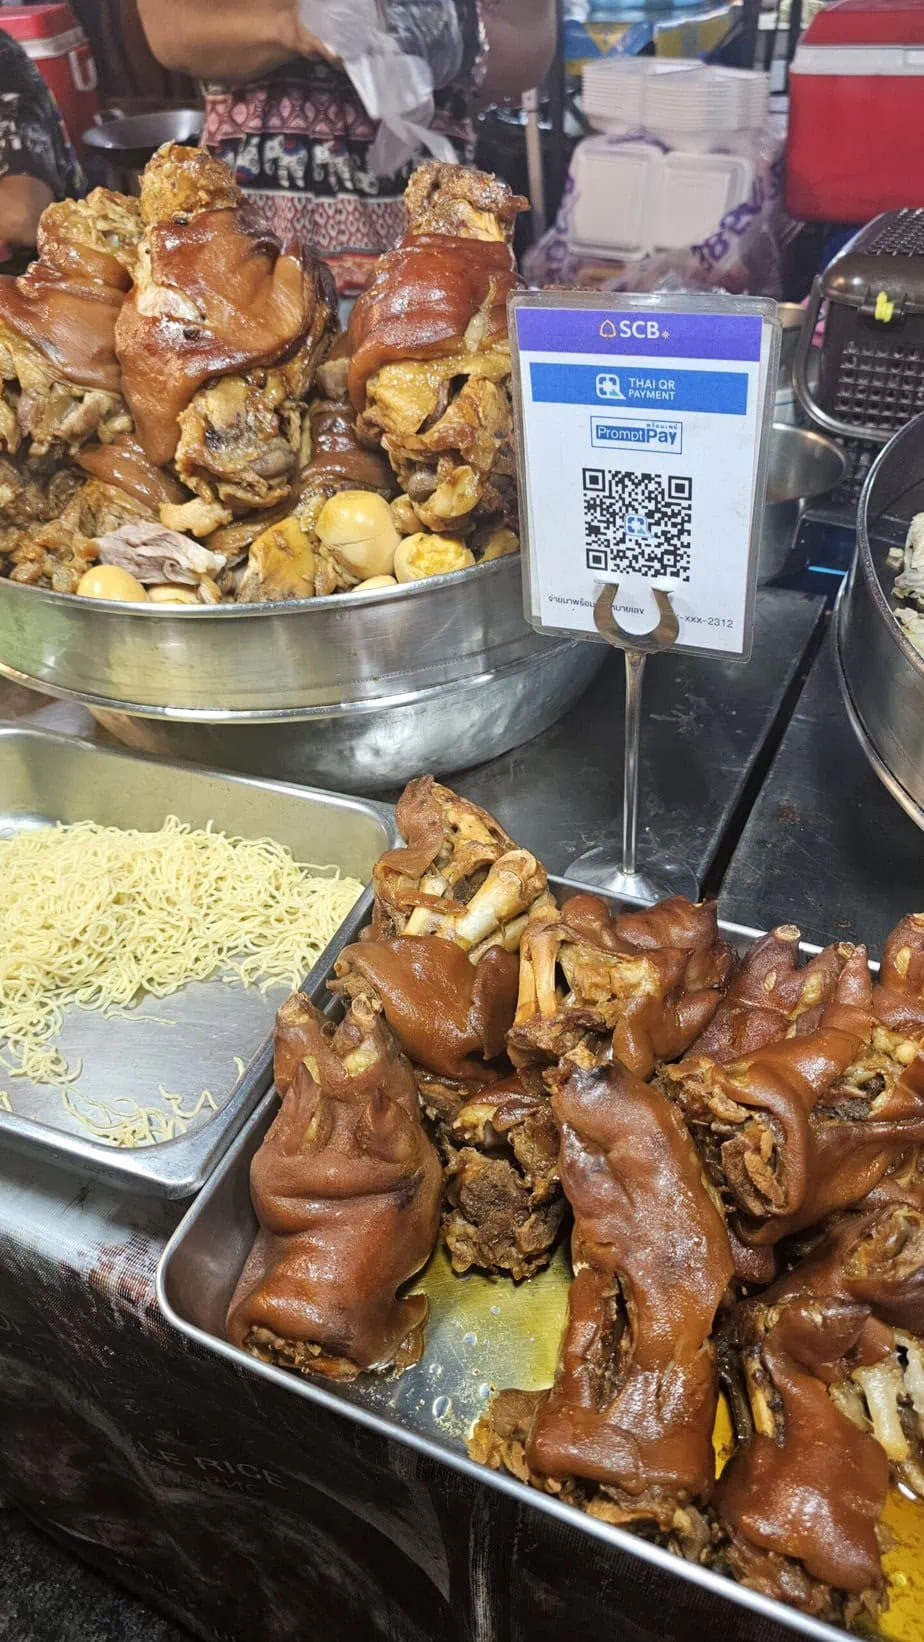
803	466
881	673
356	691
790	316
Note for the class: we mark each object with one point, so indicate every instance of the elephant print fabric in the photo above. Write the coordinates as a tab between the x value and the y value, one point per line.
298	140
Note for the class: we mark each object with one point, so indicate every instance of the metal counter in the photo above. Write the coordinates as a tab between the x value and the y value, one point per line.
825	847
234	1506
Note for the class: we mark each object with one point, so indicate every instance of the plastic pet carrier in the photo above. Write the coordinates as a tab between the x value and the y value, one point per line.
870	366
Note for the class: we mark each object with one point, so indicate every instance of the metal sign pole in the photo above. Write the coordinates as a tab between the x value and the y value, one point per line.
635	673
596	866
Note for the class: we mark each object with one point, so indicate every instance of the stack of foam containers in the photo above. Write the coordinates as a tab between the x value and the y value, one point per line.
674	154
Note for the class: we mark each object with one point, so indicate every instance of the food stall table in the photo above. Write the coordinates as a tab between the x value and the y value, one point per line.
225	1501
825	846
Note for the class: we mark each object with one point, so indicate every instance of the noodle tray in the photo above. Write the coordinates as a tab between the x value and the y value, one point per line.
195	1062
534	1565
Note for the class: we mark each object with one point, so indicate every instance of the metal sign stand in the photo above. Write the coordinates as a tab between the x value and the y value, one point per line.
596	866
643	425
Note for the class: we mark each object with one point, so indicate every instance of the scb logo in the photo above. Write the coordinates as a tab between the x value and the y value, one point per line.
642	330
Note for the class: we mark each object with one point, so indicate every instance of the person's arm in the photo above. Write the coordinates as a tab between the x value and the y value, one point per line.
236	40
22	201
37	163
521	45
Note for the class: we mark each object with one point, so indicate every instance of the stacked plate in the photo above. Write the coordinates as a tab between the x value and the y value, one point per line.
700	110
616	89
678	102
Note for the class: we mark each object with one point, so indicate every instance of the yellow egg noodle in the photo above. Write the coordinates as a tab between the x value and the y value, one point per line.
128	1124
96	917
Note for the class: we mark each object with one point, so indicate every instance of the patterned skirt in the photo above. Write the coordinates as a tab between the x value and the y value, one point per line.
298	142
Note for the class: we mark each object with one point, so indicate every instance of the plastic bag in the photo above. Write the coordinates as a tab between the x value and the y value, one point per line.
394	84
741	255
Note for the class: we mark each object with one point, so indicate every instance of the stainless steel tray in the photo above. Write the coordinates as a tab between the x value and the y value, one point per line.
46	778
482	1334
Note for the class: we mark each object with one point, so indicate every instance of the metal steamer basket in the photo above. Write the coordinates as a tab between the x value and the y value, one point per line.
482	1334
358	692
881	673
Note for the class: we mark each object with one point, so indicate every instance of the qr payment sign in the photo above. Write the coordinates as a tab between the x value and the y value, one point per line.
625	418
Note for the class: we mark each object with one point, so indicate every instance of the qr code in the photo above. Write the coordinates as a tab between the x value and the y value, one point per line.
638	524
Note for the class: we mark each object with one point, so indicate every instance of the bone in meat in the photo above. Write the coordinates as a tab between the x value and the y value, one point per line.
429	365
626	1430
58	367
460	892
752	1117
800	1500
346	1187
449	1015
873	1256
639	988
449	845
771	994
499	1143
220	337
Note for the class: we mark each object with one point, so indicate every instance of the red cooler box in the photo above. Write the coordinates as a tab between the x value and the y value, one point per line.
57	45
856	132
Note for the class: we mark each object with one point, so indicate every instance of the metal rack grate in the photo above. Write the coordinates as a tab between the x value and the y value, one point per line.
900	234
879	384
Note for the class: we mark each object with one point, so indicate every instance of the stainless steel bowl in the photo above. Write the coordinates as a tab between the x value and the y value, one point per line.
882	674
367	747
803	466
356	691
266	660
128	140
